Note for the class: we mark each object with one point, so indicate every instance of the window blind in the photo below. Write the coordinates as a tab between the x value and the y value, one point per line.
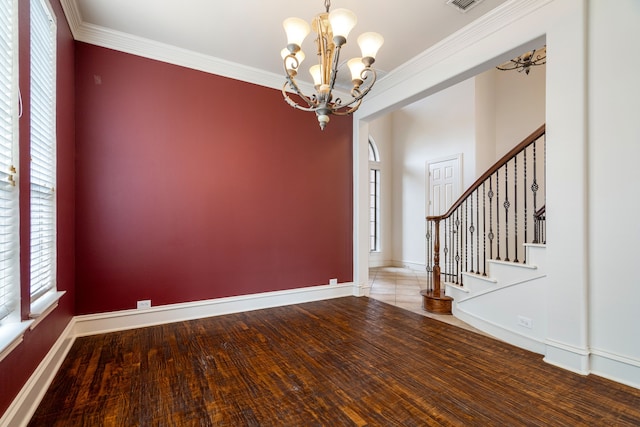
43	144
9	217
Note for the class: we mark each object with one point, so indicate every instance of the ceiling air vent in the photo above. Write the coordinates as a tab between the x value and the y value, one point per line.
463	5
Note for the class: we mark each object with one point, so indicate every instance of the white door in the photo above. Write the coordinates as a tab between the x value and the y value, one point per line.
444	179
443	184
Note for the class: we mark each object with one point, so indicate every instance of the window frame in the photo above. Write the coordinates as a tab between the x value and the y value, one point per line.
10	299
42	199
374	197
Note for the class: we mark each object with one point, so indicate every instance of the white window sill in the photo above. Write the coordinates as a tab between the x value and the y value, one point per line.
43	306
11	335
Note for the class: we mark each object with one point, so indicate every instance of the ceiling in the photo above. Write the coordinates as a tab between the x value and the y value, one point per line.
242	38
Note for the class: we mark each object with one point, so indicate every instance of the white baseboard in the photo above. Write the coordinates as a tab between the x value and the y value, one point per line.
567	357
621	369
415	266
499	331
26	402
130	319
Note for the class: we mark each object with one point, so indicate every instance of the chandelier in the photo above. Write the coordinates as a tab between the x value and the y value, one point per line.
526	61
332	29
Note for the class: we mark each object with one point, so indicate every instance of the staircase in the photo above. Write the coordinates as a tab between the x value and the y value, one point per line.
508	303
486	254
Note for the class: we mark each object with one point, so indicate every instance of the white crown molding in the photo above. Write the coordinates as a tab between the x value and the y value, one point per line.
104	37
489	23
508	13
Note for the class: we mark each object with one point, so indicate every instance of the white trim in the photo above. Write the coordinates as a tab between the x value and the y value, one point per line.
414	266
567	357
11	335
616	367
130	319
26	402
391	92
104	37
500	332
43	306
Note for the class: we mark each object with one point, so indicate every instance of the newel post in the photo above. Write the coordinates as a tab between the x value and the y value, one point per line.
434	300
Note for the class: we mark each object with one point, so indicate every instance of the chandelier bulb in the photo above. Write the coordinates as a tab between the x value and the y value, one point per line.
332	28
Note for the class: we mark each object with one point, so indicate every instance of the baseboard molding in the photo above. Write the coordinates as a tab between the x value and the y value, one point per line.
130	319
567	357
621	369
415	266
499	331
26	402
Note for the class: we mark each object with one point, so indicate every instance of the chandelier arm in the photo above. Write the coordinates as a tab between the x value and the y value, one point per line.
293	103
293	85
356	93
339	112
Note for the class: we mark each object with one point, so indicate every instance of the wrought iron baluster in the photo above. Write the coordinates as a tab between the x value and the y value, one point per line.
429	255
447	245
498	214
466	246
515	206
506	205
460	238
524	194
484	230
457	233
491	217
472	229
534	190
477	231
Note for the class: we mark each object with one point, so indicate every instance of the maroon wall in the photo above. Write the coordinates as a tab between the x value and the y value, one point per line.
18	366
192	186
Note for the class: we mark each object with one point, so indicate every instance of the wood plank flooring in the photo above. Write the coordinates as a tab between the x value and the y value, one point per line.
342	362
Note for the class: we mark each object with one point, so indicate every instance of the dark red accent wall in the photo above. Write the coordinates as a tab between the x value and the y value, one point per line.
18	366
193	186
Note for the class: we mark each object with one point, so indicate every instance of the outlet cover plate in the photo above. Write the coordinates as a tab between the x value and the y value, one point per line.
141	305
525	322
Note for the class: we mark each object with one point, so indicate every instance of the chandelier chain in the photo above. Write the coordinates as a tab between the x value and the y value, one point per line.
327	5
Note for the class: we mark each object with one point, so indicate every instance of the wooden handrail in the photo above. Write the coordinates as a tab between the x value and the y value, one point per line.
528	140
460	235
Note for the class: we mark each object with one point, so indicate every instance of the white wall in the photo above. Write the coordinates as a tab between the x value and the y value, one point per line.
594	304
614	206
438	126
520	106
479	118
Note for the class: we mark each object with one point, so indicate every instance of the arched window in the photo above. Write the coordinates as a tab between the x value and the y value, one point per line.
374	197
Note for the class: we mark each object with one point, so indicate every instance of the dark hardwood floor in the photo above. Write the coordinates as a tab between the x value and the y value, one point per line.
342	362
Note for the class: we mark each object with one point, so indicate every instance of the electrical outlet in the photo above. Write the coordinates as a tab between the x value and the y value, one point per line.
333	281
144	304
525	322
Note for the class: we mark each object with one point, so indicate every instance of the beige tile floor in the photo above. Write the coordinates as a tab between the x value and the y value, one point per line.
401	287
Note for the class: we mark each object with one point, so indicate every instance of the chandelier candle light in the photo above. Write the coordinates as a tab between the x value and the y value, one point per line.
332	29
